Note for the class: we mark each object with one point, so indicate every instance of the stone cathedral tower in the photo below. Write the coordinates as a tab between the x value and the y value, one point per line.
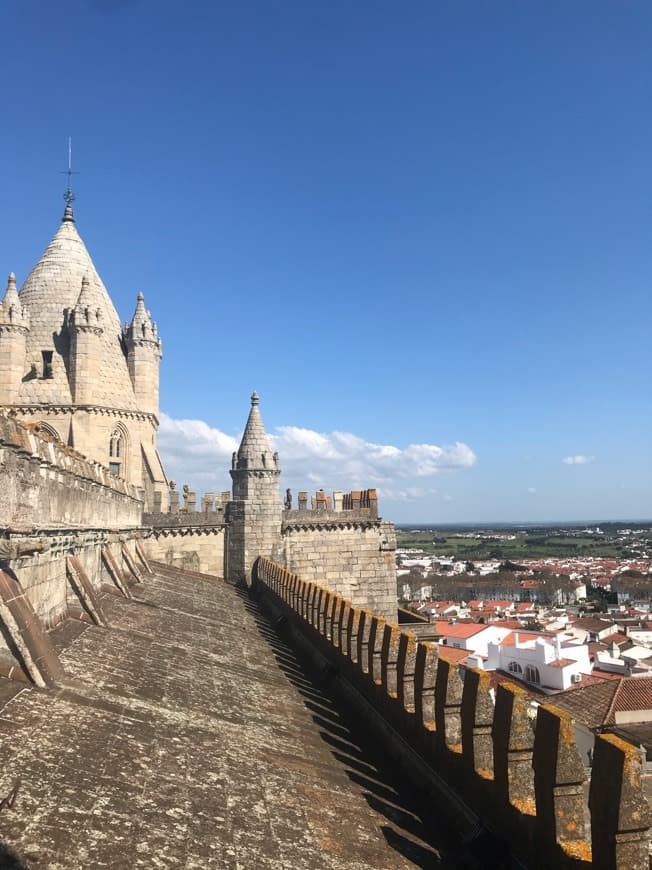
67	364
254	514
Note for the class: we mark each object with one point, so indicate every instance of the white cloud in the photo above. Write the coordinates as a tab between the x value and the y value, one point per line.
578	460
194	452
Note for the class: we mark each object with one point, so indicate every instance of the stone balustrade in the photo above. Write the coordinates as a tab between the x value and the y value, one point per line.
518	770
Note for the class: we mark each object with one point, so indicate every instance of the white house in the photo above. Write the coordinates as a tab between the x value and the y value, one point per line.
473	636
549	662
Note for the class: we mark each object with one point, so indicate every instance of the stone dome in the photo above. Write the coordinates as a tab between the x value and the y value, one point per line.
48	295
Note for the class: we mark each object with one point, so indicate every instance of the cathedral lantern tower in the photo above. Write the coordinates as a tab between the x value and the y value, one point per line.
144	352
14	326
67	365
254	514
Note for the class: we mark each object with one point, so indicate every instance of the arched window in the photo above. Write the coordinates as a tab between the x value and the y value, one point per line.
532	674
515	668
49	430
115	444
117	450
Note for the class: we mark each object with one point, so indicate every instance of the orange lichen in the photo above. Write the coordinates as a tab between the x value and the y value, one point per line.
579	849
527	807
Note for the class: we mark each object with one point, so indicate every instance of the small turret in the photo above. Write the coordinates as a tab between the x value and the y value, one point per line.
13	313
85	315
255	511
85	326
14	326
144	352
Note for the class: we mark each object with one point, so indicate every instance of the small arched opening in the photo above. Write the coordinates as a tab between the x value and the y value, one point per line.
118	451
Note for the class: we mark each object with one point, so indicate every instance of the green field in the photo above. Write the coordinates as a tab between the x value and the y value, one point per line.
526	545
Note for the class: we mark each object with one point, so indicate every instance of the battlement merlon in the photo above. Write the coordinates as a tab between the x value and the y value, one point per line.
357	504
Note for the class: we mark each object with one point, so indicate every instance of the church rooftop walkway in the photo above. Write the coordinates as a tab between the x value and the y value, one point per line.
189	736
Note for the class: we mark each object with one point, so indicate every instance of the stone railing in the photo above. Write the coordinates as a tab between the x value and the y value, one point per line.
520	773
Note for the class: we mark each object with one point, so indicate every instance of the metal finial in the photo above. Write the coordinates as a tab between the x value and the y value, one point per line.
69	196
254	398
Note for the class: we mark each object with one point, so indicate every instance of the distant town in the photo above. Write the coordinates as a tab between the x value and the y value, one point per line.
561	610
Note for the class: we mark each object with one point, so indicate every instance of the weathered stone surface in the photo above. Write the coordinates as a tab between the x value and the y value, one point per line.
190	547
188	735
353	558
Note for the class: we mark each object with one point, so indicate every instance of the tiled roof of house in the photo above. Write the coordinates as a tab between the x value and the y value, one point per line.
523	637
617	637
596	705
561	663
593	623
508	623
460	629
453	653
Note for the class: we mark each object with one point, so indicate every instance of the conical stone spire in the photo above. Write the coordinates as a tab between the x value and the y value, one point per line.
51	289
12	312
142	327
86	314
254	450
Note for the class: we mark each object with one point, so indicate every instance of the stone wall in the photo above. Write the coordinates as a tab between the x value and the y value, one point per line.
44	575
57	506
351	557
515	768
191	547
47	485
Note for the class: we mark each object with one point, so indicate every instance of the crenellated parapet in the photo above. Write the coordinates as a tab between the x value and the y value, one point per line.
514	768
340	540
358	504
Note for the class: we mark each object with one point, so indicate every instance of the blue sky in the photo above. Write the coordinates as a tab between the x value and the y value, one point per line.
409	226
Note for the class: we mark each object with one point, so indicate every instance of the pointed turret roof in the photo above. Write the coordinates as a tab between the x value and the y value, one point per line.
254	446
142	326
85	299
85	313
49	294
11	311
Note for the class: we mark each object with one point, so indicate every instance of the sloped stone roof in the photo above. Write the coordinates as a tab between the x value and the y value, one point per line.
50	291
186	736
255	444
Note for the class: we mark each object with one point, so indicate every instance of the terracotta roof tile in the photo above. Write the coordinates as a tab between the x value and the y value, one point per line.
597	704
452	653
459	629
